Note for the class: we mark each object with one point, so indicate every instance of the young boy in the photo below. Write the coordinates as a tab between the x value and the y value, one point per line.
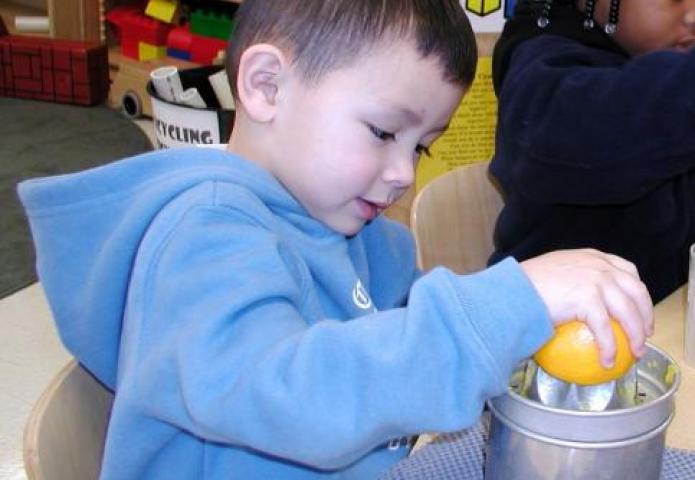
596	133
254	313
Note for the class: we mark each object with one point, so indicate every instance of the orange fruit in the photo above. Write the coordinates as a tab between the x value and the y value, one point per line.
572	355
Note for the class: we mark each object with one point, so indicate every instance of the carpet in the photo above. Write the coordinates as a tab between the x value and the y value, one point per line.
43	138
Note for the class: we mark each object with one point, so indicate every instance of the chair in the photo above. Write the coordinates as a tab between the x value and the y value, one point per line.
453	218
64	436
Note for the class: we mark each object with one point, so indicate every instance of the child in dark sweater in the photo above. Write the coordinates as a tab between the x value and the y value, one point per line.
596	134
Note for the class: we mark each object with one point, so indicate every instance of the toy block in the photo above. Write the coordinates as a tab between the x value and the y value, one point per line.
56	70
130	47
132	24
165	10
150	52
202	50
210	24
180	39
205	49
171	52
483	7
509	6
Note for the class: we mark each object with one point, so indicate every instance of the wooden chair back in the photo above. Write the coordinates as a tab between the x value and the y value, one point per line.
453	218
64	436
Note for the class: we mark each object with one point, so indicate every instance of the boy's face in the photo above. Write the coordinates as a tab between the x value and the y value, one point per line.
346	147
648	25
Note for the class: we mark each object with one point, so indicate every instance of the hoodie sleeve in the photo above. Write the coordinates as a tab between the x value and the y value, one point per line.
218	343
584	117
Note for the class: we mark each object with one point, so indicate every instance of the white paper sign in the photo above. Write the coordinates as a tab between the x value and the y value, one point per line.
488	15
182	126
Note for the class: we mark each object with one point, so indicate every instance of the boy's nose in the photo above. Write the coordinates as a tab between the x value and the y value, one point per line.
689	16
400	172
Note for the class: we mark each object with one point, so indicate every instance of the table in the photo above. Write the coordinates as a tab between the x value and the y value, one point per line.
668	335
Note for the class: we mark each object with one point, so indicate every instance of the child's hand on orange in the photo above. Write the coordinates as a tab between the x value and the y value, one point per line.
593	286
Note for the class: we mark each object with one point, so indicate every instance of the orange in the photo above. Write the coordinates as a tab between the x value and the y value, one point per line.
572	355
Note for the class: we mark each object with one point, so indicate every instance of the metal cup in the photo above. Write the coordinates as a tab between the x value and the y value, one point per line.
689	337
532	441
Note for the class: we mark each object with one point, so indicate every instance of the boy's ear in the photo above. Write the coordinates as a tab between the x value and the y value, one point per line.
259	75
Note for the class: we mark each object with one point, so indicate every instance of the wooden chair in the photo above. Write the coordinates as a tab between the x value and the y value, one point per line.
64	436
453	218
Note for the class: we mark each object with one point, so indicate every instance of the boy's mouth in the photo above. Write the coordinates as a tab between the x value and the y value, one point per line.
370	209
686	43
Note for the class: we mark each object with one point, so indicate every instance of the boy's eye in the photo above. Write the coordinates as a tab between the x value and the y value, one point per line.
381	134
421	149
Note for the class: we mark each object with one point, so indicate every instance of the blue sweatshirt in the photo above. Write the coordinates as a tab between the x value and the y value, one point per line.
245	339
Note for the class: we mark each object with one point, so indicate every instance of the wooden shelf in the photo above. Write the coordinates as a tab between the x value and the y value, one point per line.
10	10
76	19
68	19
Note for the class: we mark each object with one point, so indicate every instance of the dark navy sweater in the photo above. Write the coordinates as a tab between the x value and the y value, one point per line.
594	148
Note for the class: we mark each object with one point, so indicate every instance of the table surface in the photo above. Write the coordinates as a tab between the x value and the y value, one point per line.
668	335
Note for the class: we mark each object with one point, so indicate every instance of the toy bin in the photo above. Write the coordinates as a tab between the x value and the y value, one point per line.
178	125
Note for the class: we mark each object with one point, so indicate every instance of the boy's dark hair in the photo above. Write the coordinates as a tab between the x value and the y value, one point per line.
321	35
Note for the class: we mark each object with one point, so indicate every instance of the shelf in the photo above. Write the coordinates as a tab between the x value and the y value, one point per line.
10	10
76	19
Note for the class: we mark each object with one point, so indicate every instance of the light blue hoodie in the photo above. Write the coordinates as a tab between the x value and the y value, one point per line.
245	339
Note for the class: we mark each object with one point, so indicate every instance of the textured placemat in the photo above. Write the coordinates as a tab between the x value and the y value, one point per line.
44	138
459	456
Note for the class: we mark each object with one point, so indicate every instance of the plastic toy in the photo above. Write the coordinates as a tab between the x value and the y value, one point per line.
165	10
210	24
134	28
181	43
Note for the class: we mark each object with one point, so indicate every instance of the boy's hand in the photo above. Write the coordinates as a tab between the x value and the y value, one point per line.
592	286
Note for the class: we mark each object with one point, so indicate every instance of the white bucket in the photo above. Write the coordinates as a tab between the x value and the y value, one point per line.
178	125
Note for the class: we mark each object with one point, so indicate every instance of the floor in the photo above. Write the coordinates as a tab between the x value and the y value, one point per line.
30	354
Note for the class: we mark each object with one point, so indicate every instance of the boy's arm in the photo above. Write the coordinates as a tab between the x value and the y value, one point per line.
585	117
224	346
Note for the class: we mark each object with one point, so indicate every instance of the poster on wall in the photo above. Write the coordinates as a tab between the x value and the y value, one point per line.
471	134
488	16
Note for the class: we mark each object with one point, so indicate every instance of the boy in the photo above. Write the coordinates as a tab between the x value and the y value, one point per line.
595	139
268	321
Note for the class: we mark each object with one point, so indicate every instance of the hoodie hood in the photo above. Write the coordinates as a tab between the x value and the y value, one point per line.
87	228
565	21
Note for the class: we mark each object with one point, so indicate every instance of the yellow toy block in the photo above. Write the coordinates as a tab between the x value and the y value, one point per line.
483	7
147	51
165	10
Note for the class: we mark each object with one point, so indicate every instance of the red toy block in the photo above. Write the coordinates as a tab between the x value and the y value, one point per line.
203	50
55	70
180	39
129	47
134	27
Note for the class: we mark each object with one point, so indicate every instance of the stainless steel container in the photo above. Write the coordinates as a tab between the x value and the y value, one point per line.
532	441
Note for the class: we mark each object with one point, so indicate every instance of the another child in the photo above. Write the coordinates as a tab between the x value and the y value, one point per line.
254	312
596	132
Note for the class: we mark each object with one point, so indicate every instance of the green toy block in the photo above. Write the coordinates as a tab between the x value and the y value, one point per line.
211	24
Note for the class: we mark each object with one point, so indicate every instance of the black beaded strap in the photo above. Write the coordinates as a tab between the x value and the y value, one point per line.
589	14
544	19
613	12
